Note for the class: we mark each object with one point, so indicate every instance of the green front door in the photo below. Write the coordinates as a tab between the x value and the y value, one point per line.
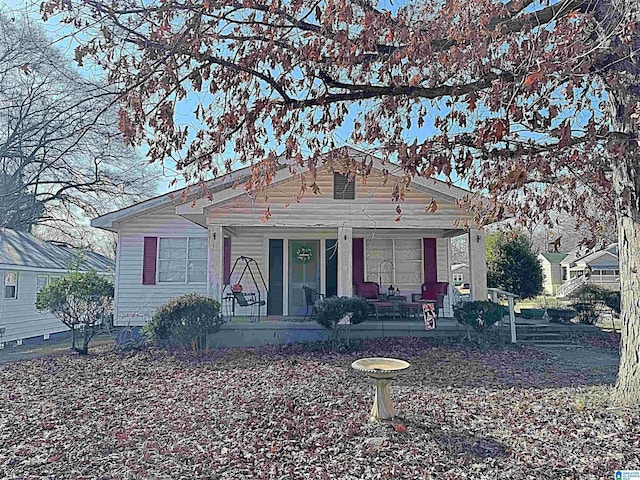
304	270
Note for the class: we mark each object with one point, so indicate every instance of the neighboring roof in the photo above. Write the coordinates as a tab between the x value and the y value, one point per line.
458	266
20	249
603	258
582	256
554	257
434	186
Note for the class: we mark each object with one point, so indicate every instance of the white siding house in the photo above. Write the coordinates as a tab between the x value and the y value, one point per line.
599	268
343	234
26	265
551	271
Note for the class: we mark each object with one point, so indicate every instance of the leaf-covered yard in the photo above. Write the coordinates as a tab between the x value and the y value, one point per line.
284	413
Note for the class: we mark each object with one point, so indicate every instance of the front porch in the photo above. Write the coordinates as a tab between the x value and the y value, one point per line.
275	265
240	332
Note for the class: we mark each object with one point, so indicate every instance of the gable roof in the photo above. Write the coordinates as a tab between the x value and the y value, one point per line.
285	171
554	257
21	249
604	259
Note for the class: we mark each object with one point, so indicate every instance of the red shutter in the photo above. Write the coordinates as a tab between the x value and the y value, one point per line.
227	260
358	260
149	260
430	260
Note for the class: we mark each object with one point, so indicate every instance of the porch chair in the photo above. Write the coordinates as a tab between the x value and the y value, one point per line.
370	291
432	292
309	294
249	300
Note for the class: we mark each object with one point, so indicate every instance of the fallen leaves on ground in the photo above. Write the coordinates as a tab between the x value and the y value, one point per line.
285	413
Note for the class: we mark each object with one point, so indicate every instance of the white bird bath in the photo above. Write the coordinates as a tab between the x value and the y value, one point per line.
382	370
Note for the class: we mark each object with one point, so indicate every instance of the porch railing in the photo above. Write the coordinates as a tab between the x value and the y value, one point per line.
494	295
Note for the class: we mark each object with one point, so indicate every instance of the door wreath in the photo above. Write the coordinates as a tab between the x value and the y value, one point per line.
304	254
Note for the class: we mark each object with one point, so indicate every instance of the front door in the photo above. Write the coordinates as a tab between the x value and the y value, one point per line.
304	270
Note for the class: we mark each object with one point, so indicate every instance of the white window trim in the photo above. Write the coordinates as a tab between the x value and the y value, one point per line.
186	260
458	278
4	285
368	241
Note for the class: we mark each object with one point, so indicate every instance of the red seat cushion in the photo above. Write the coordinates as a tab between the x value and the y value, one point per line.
368	290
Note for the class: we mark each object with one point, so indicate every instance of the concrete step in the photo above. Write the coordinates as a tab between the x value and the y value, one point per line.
548	344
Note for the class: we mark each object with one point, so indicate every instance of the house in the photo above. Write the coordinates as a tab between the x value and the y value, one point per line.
26	265
551	271
599	268
460	274
339	234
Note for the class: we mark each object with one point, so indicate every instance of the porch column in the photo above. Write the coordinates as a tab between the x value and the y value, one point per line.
345	261
215	276
477	264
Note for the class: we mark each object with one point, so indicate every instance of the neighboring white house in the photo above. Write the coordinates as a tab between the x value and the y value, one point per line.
345	233
551	271
460	274
581	267
26	265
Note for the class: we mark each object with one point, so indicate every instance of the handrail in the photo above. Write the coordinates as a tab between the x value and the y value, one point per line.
495	293
571	285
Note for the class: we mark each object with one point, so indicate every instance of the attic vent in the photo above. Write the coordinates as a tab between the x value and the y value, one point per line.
343	187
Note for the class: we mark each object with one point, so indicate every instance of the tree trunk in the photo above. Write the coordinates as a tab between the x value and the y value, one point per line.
626	182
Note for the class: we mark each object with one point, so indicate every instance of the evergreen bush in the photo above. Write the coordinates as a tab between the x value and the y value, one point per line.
479	315
185	322
330	312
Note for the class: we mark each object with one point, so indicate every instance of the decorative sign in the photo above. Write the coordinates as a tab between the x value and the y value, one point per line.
304	254
429	315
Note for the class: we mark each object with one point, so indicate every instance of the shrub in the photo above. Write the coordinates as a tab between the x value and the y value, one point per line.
560	315
586	313
79	300
612	300
185	322
512	265
531	313
479	315
328	312
590	293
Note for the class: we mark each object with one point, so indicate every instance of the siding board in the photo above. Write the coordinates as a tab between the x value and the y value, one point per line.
372	206
19	317
135	302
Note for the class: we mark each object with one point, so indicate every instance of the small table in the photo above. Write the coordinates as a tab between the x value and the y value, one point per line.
383	307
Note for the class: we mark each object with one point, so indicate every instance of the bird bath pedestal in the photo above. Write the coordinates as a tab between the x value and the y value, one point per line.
382	370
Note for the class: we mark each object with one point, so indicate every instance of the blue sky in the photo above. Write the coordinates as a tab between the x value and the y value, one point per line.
65	43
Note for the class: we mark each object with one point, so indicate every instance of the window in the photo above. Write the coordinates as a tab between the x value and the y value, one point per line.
42	281
182	260
344	188
458	279
10	284
396	262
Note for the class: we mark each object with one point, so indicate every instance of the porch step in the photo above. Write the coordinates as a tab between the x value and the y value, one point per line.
543	336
